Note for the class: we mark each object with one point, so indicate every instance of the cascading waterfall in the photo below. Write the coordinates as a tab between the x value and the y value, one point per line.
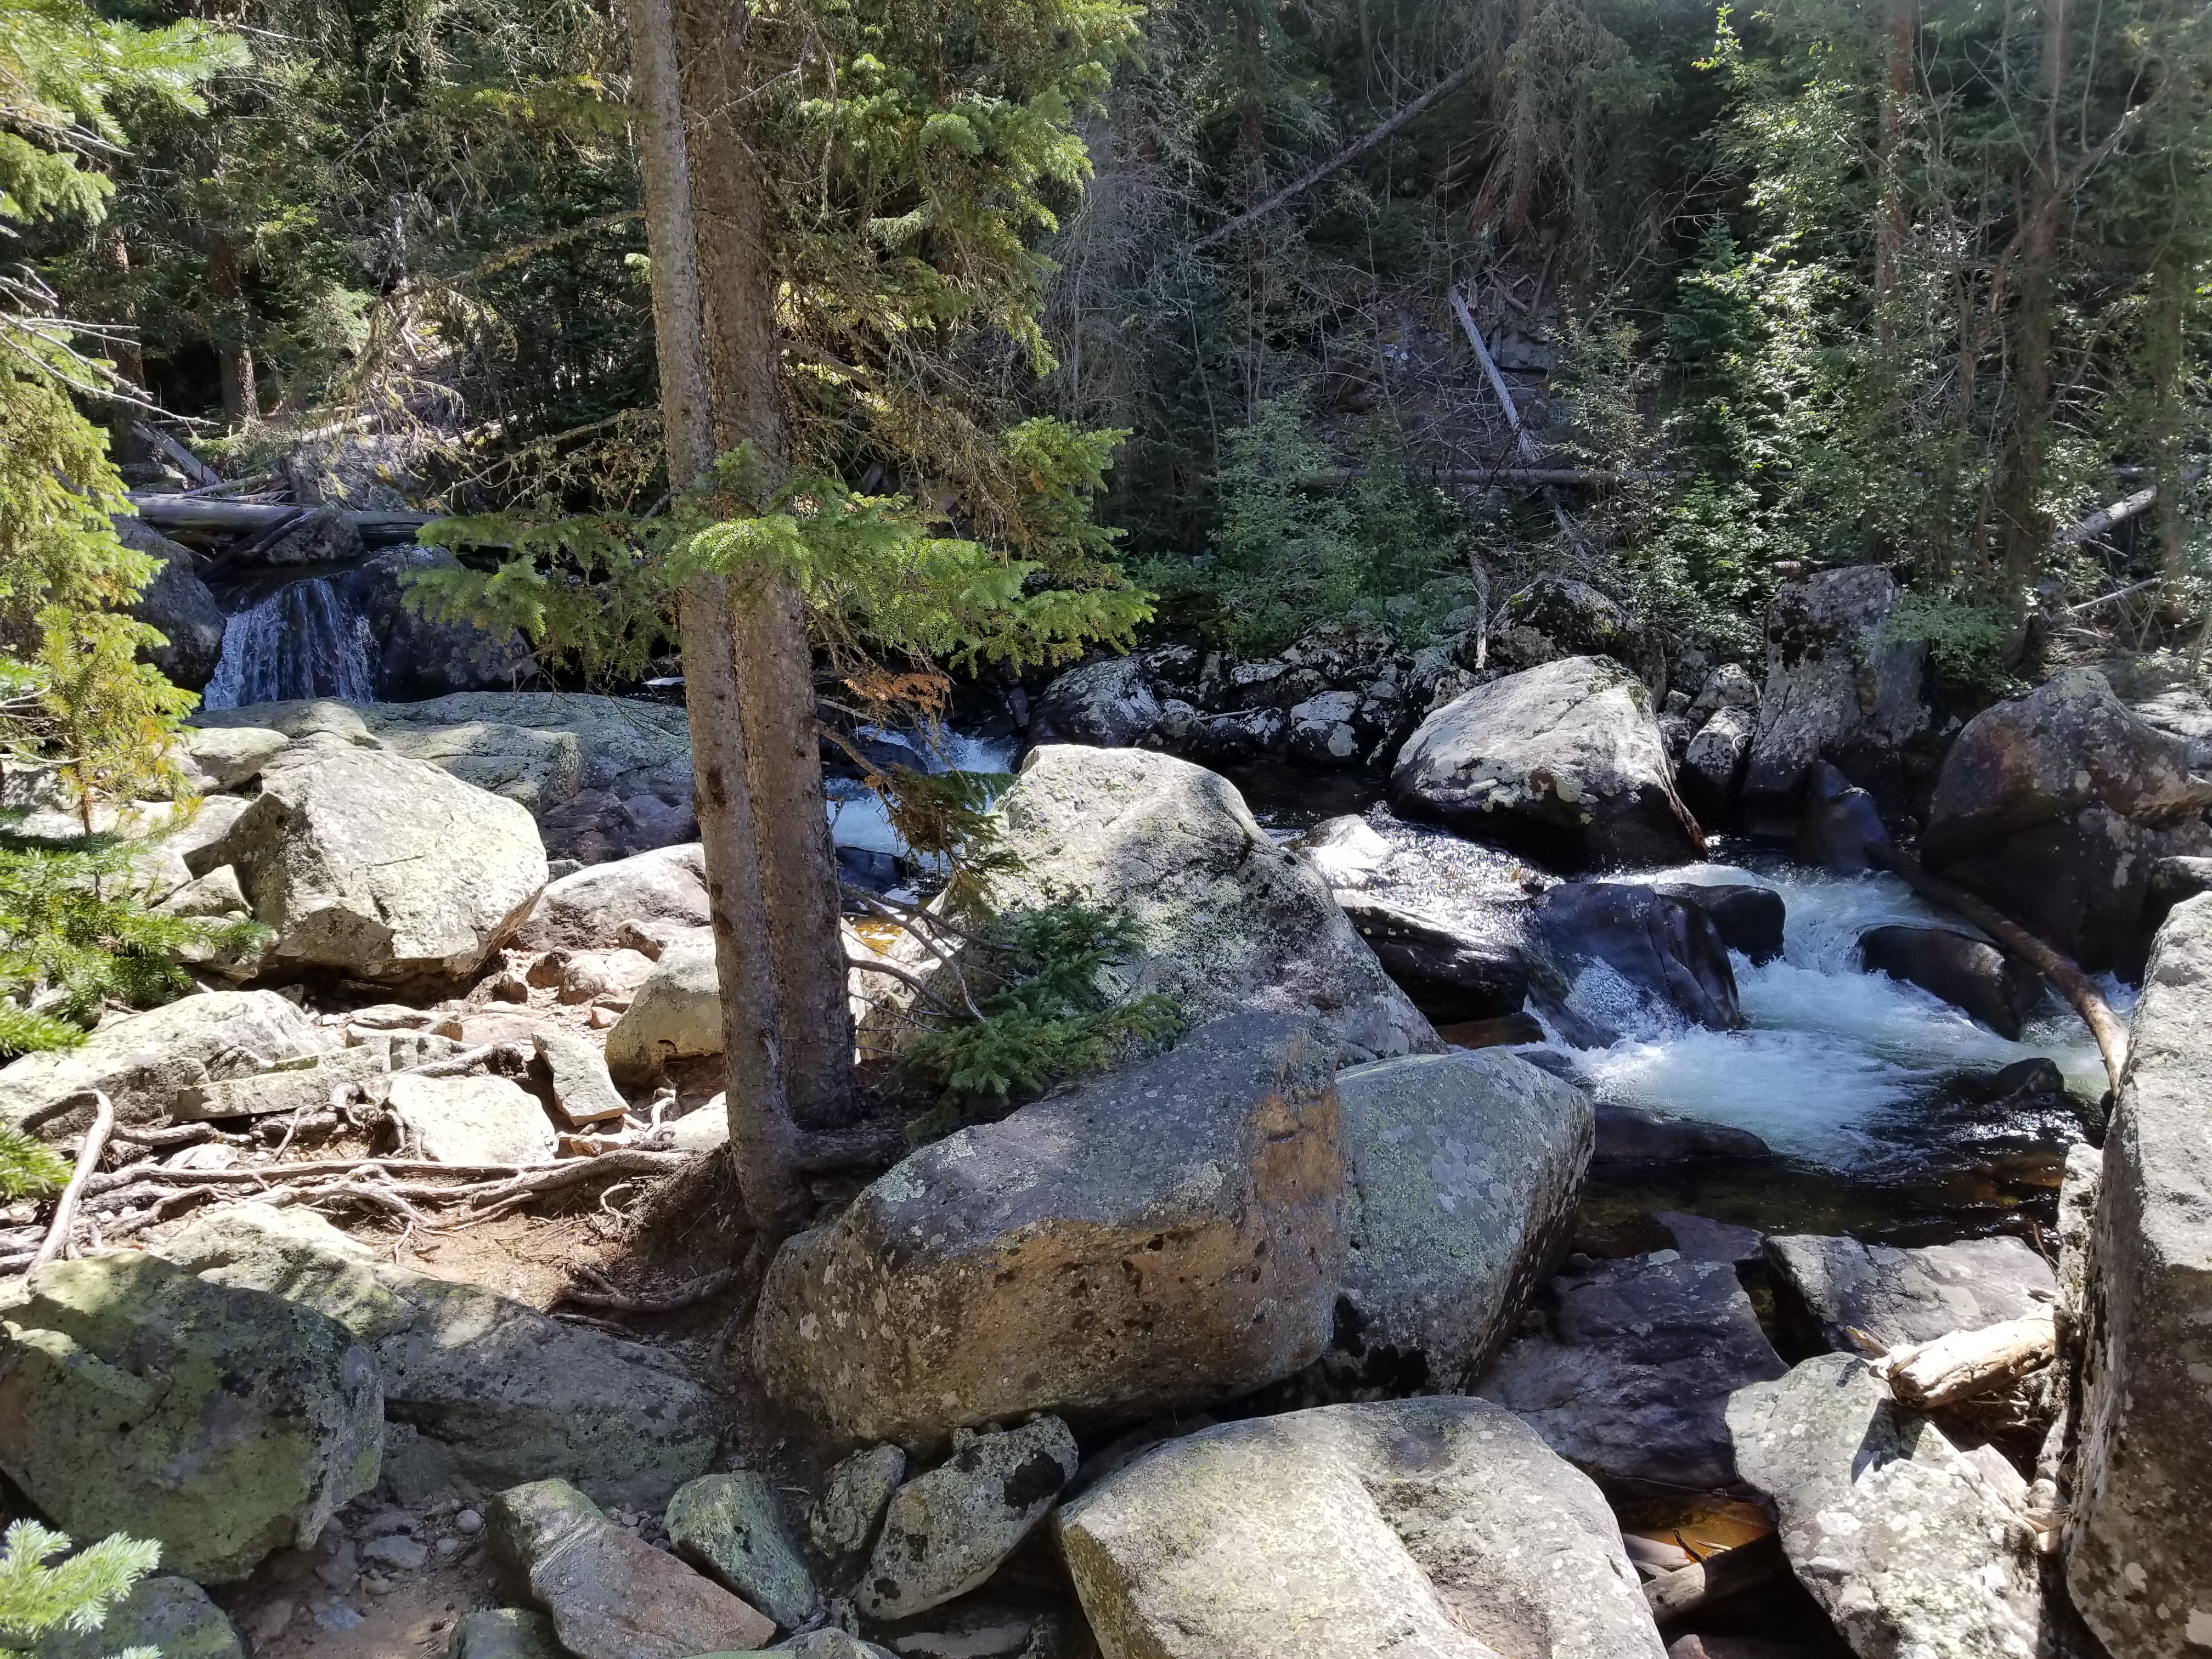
303	640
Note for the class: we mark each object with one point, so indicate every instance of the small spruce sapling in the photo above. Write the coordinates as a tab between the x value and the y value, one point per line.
75	1595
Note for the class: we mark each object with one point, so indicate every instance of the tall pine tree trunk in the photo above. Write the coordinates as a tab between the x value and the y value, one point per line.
798	865
242	404
761	1136
2025	528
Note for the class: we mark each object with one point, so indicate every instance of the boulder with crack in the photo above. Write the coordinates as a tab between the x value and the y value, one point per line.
144	1061
1839	687
1462	1174
1563	764
513	1394
1223	919
379	867
221	1423
1910	1545
2139	1547
1169	1234
1438	1527
1632	1379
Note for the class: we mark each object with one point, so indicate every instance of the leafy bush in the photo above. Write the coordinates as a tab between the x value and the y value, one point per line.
1968	636
1050	1020
75	1595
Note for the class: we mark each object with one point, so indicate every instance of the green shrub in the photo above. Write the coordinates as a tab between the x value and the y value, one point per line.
1051	1018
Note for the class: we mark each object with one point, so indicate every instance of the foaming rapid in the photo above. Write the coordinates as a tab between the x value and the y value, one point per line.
1831	1053
857	818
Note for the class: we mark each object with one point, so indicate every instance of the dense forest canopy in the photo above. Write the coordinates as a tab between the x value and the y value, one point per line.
1921	284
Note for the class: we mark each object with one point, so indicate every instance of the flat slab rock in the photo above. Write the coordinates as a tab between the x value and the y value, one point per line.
1438	1527
1897	1296
1167	1234
1463	1171
610	1595
1633	1379
472	1120
143	1061
516	1395
1905	1541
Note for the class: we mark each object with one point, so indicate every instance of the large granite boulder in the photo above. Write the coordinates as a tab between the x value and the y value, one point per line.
1631	1380
1437	1527
223	1423
2139	1549
1106	704
1832	1286
1224	918
1607	958
143	1061
2056	806
1839	687
511	1394
178	603
1168	1235
605	777
1463	1173
1563	764
1910	1546
379	867
585	911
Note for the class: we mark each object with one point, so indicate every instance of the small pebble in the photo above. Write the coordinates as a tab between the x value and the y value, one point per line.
468	1522
376	1586
338	1572
341	1617
449	1547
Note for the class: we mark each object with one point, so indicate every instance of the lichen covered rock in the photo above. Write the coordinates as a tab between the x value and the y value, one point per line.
224	1424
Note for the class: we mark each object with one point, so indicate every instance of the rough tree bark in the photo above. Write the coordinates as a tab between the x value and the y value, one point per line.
2025	528
762	1137
242	404
775	671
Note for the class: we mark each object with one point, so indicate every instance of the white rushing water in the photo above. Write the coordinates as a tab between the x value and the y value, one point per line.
303	640
857	818
1829	1049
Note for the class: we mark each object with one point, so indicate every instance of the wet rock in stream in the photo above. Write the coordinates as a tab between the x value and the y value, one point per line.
1839	1286
1632	1379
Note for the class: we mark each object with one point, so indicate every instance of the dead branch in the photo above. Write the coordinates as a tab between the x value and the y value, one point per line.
912	981
200	513
1967	1363
2066	977
606	1295
197	471
1718	1577
87	1161
1360	147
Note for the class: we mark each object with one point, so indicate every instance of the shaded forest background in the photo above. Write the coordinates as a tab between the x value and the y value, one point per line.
1922	282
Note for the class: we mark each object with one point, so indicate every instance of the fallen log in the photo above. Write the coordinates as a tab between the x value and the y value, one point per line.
197	472
2065	975
1964	1363
203	512
1718	1577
